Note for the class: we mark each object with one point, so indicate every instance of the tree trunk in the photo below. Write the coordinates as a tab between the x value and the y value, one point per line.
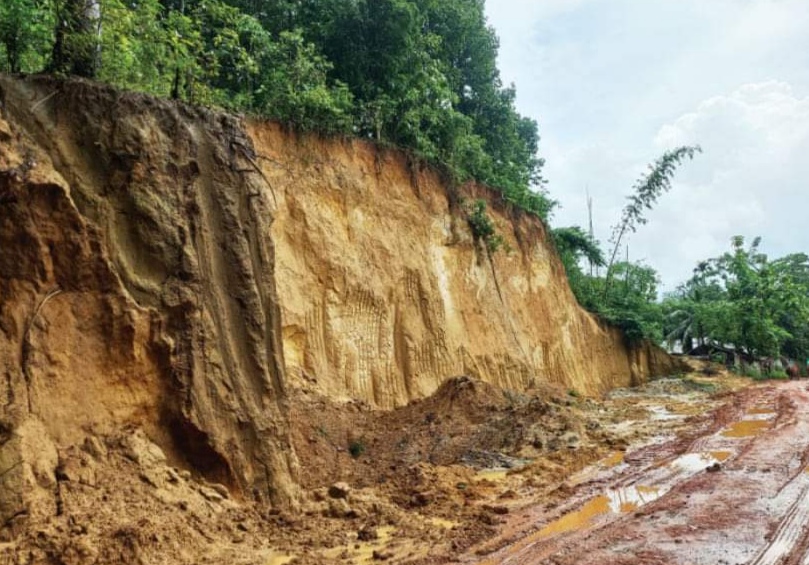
76	46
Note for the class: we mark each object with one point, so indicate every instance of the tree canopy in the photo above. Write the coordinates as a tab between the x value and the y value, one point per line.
742	298
419	74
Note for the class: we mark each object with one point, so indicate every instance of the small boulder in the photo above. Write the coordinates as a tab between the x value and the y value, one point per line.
221	489
142	451
211	494
339	508
422	499
339	490
367	533
173	475
496	509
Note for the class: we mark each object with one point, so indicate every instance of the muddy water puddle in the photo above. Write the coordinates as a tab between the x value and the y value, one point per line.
746	429
612	461
762	411
279	559
693	463
660	479
493	475
618	501
611	502
755	423
615	502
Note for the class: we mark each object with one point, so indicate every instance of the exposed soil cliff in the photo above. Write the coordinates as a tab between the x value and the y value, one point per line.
137	282
179	270
384	292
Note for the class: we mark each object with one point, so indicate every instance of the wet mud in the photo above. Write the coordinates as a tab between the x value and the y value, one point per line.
732	489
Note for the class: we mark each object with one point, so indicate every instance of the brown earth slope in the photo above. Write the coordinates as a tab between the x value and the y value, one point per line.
181	271
384	293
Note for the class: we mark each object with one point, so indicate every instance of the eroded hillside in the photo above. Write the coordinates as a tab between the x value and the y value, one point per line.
189	273
385	293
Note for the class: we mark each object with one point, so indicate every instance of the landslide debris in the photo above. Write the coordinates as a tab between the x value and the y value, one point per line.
433	480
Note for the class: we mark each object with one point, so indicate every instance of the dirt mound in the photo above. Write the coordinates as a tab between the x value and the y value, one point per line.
463	397
118	500
465	422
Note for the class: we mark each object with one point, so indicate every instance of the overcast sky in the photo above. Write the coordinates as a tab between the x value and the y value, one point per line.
613	83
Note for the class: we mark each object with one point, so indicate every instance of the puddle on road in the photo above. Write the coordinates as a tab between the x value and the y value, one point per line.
629	499
613	460
762	410
577	520
588	473
617	501
693	463
747	428
494	475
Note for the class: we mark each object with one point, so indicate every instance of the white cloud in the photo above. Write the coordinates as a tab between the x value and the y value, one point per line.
753	178
614	83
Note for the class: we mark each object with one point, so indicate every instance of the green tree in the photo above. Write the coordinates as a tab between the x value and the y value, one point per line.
293	86
135	46
647	190
744	299
77	38
573	244
693	309
633	306
26	28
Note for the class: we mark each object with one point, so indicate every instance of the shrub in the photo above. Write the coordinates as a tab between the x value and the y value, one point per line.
483	227
356	448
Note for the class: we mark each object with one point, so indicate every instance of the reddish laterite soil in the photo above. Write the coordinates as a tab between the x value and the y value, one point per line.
733	490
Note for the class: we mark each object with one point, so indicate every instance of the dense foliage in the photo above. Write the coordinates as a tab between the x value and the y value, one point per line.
419	74
742	298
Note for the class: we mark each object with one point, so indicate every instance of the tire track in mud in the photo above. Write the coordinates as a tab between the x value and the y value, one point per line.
722	443
789	533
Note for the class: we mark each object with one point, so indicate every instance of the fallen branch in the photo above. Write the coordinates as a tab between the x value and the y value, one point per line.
41	102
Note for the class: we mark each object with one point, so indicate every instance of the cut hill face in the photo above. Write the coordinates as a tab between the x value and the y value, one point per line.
384	292
181	270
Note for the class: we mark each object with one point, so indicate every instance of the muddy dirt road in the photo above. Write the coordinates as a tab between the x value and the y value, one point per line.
735	489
